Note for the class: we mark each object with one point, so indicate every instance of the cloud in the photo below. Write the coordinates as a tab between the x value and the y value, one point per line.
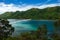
12	8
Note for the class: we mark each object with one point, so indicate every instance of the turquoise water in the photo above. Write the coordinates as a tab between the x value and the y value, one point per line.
28	25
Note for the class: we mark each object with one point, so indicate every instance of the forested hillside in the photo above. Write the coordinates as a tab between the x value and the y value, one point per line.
34	13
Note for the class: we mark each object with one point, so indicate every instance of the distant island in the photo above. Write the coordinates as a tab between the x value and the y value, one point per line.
50	13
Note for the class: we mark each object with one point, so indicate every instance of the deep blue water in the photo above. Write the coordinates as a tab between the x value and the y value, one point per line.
28	25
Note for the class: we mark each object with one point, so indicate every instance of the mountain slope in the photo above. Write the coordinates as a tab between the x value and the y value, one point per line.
34	13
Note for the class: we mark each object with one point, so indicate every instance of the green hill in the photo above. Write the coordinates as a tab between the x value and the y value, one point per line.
34	13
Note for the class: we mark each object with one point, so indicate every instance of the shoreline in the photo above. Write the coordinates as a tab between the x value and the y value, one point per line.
30	19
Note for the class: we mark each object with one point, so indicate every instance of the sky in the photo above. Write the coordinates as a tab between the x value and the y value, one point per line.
23	5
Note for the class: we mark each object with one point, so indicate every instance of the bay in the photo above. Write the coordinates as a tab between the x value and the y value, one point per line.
29	25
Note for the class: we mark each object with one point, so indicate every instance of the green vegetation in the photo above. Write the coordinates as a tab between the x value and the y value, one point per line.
6	29
40	34
50	13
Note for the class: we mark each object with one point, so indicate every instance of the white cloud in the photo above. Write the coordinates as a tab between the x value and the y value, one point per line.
11	7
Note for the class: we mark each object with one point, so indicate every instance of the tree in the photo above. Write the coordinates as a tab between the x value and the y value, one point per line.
5	29
42	32
56	33
57	25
